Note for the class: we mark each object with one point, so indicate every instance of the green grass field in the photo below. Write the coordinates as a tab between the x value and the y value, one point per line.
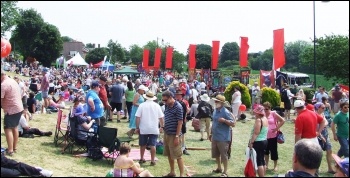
41	151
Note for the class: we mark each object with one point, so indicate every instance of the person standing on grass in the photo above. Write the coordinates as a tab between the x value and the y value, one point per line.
275	122
173	119
340	129
11	103
149	116
220	136
44	87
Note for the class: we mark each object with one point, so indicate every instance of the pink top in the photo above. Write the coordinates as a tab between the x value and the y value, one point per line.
45	83
11	96
66	95
272	125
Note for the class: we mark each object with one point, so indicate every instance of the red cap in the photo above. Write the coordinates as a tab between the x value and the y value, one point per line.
310	107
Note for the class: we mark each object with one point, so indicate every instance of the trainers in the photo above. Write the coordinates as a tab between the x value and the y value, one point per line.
46	173
185	152
48	133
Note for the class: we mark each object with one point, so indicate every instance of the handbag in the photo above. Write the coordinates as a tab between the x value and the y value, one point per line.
280	135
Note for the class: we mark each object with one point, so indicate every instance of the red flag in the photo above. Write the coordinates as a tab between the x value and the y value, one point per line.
145	58
157	57
215	55
278	49
169	58
192	56
243	52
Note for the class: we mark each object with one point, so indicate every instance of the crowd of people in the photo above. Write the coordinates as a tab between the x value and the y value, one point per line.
155	106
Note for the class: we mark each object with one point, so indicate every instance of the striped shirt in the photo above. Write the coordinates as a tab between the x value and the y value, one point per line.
171	117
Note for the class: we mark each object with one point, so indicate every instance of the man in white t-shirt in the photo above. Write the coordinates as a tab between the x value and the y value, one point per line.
149	117
28	132
255	92
23	89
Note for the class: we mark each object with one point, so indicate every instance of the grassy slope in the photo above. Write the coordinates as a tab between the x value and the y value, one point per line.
41	151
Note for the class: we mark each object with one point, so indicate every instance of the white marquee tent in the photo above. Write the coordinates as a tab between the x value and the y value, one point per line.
77	61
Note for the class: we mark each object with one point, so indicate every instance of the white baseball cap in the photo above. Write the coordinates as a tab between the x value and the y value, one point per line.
299	103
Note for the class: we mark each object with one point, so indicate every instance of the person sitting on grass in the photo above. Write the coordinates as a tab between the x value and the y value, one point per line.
126	167
27	132
12	168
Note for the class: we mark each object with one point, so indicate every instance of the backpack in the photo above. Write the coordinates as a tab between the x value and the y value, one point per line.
284	95
204	110
94	151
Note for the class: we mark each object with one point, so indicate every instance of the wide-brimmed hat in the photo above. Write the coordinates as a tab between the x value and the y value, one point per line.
220	98
149	96
259	110
143	87
342	163
205	98
79	110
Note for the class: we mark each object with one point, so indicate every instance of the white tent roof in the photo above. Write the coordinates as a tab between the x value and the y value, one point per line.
77	60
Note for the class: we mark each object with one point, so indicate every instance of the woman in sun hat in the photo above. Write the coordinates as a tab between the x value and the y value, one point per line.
138	99
258	139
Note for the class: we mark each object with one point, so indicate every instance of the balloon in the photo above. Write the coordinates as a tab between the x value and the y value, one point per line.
242	107
5	48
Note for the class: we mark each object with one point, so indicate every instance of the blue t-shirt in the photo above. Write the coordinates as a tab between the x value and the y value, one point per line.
98	112
221	131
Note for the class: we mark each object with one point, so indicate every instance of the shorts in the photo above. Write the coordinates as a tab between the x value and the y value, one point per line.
287	105
44	93
12	121
148	139
205	124
219	149
123	104
118	106
175	152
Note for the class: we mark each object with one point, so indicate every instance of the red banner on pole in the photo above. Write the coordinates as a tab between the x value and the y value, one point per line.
145	58
157	58
243	52
278	49
169	58
192	56
215	55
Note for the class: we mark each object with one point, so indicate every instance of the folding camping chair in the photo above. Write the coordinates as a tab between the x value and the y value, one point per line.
107	137
60	132
72	136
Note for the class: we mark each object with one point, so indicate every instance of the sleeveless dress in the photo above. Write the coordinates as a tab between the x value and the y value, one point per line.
132	123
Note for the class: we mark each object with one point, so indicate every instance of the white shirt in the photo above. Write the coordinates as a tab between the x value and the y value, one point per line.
149	113
255	90
194	93
203	85
22	88
154	88
237	97
88	81
22	123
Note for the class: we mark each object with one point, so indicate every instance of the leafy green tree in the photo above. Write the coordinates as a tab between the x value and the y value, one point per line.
116	51
229	52
136	54
203	56
90	45
66	39
96	55
263	61
293	53
332	57
35	38
9	14
179	60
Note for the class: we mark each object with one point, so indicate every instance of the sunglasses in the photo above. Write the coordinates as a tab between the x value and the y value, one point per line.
266	109
346	107
322	107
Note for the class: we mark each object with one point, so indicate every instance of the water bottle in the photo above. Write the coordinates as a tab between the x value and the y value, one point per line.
95	127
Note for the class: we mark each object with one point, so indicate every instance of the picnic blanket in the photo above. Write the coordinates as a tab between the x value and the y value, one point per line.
134	154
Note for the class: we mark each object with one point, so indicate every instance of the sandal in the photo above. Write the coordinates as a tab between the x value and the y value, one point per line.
9	153
153	163
170	175
223	175
142	161
217	171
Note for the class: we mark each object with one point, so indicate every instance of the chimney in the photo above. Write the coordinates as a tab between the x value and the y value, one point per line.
98	45
94	45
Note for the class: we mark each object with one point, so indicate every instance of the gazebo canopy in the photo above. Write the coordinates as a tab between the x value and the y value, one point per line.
126	70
